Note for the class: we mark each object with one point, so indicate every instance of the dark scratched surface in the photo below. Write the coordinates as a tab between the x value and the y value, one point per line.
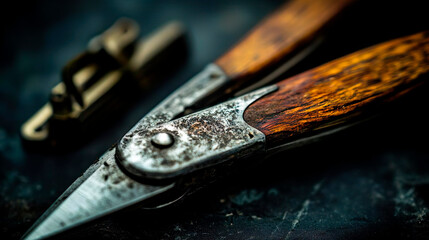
371	182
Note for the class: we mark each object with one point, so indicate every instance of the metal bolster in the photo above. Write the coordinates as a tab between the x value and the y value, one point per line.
198	140
197	88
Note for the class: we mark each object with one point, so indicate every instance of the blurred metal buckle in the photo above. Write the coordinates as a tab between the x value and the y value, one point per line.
114	67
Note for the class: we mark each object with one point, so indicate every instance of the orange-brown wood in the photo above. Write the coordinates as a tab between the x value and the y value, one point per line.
338	92
286	30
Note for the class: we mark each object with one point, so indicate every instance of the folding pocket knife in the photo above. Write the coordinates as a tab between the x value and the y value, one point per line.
169	153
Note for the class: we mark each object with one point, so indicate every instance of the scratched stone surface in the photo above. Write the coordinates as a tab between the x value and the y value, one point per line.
371	182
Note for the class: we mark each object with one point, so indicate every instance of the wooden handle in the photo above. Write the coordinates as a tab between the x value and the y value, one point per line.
338	92
279	35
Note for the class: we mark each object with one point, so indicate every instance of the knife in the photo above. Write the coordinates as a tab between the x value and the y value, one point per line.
105	187
296	110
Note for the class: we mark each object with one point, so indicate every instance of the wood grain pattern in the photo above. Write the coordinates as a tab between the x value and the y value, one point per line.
338	92
292	26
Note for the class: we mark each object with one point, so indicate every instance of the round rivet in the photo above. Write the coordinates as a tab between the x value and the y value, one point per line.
162	140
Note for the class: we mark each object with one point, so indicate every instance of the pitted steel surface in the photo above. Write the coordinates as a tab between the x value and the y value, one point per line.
201	139
101	190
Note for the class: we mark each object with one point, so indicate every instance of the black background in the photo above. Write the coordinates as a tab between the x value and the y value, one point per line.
369	182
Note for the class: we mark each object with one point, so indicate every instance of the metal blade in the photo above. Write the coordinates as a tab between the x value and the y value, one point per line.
104	188
101	190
